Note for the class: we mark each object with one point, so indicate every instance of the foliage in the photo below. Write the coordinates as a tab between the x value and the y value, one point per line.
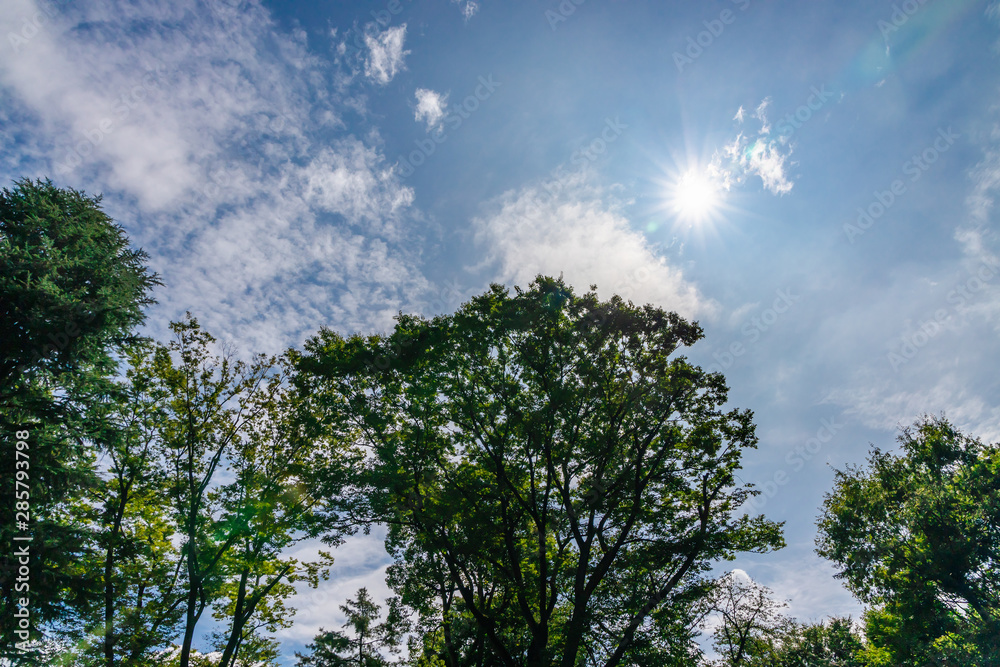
140	565
917	535
601	463
832	644
752	631
72	292
204	488
222	413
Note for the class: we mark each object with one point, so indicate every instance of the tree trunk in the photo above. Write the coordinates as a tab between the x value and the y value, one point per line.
109	567
239	620
109	610
191	615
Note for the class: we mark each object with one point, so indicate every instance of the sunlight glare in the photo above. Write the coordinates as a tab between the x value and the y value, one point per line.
695	196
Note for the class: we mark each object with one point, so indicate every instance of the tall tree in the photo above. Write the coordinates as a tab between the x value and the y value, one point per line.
750	622
72	291
570	473
916	534
225	415
141	567
271	506
365	644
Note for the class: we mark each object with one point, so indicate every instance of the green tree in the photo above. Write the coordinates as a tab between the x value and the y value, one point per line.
364	645
72	292
753	631
141	567
550	455
225	415
834	643
271	506
916	535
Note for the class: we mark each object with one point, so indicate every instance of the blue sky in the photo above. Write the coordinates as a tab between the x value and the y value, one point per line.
813	182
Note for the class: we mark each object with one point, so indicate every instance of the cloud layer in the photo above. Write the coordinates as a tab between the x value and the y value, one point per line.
223	143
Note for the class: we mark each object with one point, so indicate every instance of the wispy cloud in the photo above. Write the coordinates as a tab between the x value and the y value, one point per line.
385	54
351	179
217	140
882	404
469	8
753	154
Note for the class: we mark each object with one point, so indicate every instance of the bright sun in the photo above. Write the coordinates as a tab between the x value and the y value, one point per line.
695	196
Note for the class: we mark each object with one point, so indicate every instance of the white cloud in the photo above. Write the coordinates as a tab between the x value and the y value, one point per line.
886	405
812	592
747	156
351	180
385	54
767	161
978	235
431	107
738	316
565	226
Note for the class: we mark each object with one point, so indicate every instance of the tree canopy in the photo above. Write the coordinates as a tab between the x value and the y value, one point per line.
556	478
917	536
72	292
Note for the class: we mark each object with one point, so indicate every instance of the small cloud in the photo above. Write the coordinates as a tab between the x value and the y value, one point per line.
767	162
745	156
738	315
468	7
385	54
430	107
